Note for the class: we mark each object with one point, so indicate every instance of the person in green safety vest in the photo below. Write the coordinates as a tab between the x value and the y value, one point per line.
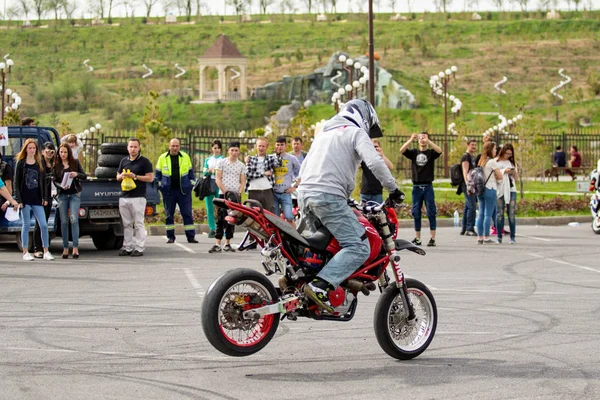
175	173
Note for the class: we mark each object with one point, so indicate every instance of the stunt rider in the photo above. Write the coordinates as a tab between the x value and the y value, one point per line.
327	181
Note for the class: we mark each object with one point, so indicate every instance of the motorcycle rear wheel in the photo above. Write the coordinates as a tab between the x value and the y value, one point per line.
225	301
394	334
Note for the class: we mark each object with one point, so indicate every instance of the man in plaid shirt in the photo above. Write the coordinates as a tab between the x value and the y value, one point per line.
259	174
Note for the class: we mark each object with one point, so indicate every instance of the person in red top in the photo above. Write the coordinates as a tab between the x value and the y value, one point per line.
575	160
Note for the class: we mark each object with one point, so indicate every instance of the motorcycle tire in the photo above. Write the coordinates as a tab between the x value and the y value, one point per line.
596	225
225	301
395	336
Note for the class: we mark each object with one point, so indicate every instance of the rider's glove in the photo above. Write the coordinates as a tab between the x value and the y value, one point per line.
397	196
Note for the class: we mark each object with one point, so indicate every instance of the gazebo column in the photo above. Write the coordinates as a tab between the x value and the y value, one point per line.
225	83
220	91
202	81
243	89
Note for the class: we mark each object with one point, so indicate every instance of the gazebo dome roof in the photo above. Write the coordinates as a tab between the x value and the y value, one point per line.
222	48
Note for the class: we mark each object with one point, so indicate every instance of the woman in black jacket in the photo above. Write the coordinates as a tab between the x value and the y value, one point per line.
32	195
48	156
69	173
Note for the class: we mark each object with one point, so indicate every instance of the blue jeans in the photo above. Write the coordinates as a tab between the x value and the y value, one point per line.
172	199
487	205
40	216
510	208
283	201
68	202
333	212
468	220
377	198
420	194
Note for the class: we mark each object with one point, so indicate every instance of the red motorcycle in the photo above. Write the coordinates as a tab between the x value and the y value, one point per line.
242	308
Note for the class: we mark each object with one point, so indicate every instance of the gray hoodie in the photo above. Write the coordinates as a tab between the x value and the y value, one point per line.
334	157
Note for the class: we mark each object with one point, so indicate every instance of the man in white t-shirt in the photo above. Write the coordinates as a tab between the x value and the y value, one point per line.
231	177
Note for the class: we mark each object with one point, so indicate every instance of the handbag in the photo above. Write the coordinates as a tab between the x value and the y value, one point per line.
204	187
12	215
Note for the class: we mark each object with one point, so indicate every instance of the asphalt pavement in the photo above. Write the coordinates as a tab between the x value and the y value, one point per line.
516	321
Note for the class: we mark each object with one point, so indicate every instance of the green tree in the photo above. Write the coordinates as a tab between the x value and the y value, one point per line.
152	130
87	88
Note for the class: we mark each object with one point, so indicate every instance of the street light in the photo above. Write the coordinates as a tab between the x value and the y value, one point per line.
8	97
354	82
439	88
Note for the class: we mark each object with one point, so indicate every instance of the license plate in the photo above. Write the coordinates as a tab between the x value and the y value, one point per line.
104	213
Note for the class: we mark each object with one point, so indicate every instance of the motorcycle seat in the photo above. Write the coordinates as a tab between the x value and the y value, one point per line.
320	239
286	228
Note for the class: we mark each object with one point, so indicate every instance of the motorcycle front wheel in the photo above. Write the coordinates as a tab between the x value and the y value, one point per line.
596	225
226	300
398	337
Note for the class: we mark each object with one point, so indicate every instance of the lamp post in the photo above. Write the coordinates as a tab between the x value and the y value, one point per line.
87	138
7	95
354	82
439	88
371	57
505	126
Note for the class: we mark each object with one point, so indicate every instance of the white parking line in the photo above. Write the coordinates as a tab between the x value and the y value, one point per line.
183	246
536	238
117	353
565	263
195	284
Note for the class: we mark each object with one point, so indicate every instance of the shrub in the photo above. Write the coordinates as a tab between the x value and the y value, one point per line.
82	107
276	62
144	20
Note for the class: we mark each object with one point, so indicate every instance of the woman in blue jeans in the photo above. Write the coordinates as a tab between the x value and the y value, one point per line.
487	200
32	195
68	175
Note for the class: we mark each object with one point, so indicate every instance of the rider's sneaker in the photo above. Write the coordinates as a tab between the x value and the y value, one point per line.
416	241
431	243
318	291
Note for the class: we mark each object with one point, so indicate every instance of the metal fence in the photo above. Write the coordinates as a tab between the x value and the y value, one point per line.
198	145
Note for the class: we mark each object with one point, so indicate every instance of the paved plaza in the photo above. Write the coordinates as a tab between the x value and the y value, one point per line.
515	322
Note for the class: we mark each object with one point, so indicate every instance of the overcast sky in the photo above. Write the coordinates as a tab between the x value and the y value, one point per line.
219	7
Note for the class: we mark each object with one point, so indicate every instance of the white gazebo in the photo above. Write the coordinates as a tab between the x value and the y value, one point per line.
225	57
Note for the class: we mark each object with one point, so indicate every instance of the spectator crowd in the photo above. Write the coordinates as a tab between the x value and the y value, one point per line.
41	174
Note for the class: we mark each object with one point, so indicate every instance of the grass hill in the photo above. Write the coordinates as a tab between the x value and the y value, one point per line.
529	50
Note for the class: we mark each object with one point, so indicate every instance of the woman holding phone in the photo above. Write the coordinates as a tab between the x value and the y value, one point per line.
507	192
69	173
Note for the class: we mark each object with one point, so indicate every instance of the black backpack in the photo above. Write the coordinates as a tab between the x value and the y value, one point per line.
456	174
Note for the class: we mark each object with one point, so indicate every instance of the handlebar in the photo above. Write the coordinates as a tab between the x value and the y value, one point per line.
372	206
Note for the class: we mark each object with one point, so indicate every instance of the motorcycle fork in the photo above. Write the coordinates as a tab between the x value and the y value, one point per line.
401	284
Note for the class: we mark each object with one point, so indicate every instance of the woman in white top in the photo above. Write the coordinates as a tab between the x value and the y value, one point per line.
487	200
210	169
507	191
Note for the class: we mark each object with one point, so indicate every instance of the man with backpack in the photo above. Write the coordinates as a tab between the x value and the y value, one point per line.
467	163
422	178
